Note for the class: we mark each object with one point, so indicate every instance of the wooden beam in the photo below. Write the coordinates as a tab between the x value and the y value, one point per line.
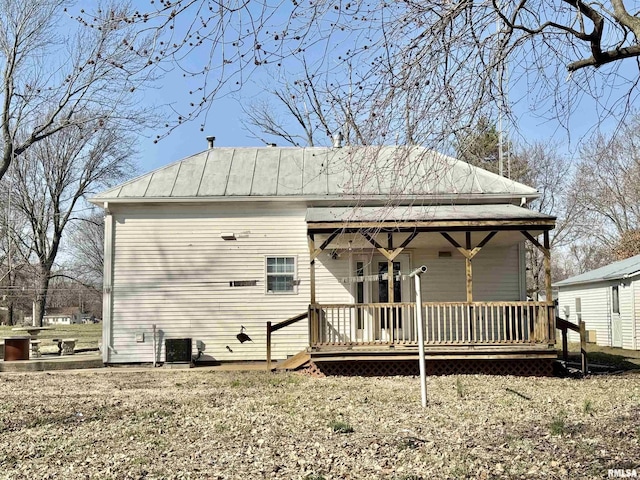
389	290
469	273
316	252
451	240
390	278
371	240
312	268
533	240
547	267
380	248
268	346
409	239
398	251
487	239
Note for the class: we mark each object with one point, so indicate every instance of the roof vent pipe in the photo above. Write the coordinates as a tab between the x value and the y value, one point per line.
210	141
337	140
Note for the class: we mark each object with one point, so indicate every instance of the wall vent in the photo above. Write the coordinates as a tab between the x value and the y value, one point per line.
178	350
444	254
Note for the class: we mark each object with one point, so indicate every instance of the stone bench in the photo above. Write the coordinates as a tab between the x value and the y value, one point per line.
35	348
66	346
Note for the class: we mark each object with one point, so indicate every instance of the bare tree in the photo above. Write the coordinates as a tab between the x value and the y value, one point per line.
607	185
551	173
305	111
57	74
450	62
51	180
86	247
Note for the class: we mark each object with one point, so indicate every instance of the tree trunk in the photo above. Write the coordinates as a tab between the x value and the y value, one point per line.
41	297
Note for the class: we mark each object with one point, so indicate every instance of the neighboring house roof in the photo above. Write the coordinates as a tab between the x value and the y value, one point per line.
620	270
316	173
428	213
61	311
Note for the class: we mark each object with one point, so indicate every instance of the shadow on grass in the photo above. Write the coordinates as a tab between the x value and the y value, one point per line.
619	362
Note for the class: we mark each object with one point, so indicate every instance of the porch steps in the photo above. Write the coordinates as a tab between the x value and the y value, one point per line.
295	362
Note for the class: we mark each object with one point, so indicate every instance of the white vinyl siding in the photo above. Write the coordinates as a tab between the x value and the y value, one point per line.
495	272
595	302
636	311
495	275
171	268
597	307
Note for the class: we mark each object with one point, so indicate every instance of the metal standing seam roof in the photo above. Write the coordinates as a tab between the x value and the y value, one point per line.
426	213
622	269
266	172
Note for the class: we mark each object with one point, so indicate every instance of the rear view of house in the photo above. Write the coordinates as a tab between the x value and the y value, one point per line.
608	301
212	248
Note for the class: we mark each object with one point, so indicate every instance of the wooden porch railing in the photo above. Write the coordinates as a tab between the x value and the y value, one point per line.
564	325
274	328
449	323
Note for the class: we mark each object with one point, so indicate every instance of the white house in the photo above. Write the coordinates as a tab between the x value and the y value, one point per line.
607	299
214	246
62	316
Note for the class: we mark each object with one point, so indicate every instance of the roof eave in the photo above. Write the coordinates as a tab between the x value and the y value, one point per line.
430	199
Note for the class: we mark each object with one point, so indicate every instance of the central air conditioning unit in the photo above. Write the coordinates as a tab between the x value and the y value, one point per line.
177	350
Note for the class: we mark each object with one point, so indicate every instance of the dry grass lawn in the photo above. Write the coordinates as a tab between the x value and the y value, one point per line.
199	423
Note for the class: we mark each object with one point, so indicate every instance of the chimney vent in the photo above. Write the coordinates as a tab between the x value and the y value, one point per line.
210	141
337	140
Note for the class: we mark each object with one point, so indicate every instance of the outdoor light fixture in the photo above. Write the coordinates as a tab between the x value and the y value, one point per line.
228	236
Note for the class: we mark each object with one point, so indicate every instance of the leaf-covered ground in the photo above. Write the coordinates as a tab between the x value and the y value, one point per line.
123	423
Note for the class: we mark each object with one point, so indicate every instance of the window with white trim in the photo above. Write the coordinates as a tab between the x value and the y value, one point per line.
281	274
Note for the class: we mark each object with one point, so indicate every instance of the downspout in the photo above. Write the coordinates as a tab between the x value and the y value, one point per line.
107	290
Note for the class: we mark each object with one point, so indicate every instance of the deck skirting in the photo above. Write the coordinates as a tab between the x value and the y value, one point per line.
538	367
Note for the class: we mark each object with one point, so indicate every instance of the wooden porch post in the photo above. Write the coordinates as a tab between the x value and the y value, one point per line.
547	267
312	268
468	268
390	268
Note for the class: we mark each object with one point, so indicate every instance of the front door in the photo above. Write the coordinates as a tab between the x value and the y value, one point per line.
616	320
375	323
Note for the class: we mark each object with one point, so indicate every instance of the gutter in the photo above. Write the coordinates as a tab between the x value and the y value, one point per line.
328	200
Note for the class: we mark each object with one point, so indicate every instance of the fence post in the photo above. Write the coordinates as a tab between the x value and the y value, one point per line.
268	346
583	347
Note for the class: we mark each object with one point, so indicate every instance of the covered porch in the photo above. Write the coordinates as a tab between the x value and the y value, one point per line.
485	316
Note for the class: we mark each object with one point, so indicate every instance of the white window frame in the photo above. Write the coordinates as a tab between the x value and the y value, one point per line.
294	279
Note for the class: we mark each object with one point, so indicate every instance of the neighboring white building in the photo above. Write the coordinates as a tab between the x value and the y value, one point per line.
607	299
62	316
224	241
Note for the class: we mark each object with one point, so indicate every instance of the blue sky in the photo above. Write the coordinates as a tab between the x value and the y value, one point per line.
224	119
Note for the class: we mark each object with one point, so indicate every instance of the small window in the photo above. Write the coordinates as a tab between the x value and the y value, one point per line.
615	299
281	272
